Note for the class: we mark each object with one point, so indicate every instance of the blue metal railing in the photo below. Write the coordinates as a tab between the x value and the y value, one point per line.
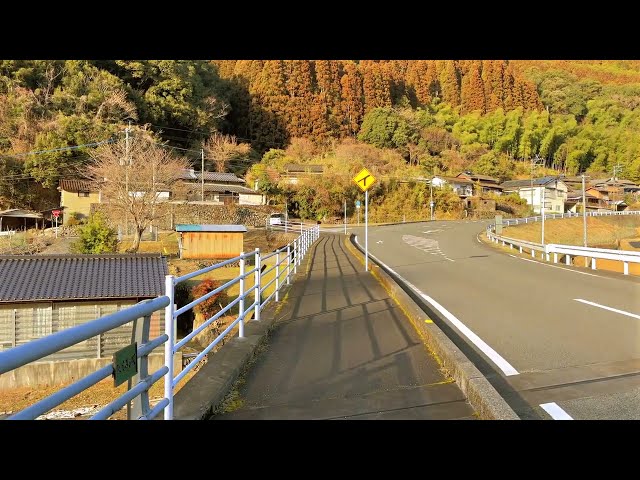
287	259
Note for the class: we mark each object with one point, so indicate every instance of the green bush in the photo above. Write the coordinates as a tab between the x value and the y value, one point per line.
96	237
75	218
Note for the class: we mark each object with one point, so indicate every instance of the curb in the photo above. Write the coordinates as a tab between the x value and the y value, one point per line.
482	396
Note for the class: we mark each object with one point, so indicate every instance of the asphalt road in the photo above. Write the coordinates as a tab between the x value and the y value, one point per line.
544	334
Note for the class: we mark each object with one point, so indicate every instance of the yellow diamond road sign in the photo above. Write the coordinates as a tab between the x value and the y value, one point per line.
364	179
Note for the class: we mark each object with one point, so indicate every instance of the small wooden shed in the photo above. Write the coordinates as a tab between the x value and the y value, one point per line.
210	241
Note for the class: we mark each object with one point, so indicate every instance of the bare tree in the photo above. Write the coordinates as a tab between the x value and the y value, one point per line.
135	178
223	148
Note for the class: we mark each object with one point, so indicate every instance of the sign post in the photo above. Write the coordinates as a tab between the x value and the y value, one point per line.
358	210
56	214
364	180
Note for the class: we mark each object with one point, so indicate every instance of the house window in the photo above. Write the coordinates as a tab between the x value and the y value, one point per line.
41	321
6	328
83	194
66	317
557	208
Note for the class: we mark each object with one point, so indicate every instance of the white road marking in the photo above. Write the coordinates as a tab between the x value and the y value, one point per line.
379	241
622	312
556	412
495	357
434	231
447	258
478	238
555	266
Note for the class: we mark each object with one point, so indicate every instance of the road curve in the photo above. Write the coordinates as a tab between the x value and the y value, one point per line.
558	342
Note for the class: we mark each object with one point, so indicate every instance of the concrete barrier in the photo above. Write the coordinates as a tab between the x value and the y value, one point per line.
482	396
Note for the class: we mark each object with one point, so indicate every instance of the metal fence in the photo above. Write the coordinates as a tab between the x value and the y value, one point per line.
280	265
568	251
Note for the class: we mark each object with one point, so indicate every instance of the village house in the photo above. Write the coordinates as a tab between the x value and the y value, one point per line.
76	197
482	183
220	187
294	172
555	192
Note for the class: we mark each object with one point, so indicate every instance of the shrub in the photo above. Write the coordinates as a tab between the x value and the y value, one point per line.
211	306
96	237
75	218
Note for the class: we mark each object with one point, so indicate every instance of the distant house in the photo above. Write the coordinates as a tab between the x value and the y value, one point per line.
220	187
44	294
294	172
482	183
555	192
18	219
461	186
76	196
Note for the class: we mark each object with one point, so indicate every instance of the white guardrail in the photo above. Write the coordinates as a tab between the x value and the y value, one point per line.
568	251
286	261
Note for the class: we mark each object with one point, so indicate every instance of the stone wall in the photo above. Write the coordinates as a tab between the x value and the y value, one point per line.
201	213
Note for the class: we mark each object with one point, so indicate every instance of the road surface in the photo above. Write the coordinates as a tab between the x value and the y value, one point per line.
557	342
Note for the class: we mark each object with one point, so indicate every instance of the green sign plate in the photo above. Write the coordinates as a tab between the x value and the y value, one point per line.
125	364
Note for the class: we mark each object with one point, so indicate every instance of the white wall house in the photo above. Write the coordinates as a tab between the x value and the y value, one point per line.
462	187
555	193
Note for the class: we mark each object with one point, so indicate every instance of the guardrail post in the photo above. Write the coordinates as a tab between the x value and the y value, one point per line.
533	253
593	263
168	346
555	258
139	406
258	283
521	249
567	259
277	276
241	295
626	268
288	264
511	246
546	257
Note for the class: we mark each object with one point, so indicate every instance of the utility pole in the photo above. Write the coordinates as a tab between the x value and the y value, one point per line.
127	163
584	213
202	175
345	217
431	197
534	163
544	187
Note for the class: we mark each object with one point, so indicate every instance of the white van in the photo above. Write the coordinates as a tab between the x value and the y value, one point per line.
277	219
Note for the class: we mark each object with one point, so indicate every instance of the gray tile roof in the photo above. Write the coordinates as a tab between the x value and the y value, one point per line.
527	183
69	277
228	188
303	168
77	185
219	177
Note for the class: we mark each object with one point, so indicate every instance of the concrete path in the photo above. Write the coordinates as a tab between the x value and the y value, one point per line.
342	349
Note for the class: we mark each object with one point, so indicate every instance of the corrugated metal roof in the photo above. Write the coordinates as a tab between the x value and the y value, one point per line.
527	183
18	213
303	168
210	228
70	277
474	177
76	185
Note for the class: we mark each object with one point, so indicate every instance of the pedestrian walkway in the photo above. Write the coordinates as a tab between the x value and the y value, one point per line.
342	349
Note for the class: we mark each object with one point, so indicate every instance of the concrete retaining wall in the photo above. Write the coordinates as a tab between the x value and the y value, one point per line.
68	371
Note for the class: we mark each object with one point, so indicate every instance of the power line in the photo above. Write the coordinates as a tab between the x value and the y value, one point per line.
74	147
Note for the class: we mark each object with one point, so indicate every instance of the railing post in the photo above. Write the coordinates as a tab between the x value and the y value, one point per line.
288	264
295	258
533	253
626	268
256	276
555	258
169	289
546	257
241	295
277	276
593	263
139	406
520	248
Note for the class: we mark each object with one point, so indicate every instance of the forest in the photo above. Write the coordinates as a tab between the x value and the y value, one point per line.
404	118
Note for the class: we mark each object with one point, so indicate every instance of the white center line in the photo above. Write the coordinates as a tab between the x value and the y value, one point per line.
495	357
451	260
628	314
556	412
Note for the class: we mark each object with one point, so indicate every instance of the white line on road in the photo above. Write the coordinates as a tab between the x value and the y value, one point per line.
495	357
628	314
555	266
447	258
478	238
556	412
